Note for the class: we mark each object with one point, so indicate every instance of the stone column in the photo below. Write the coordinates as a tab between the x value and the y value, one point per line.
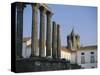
58	42
54	40
42	43
48	34
19	29
34	34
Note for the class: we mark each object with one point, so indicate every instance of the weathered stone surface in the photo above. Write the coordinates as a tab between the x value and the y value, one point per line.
54	40
46	7
19	30
34	37
48	35
58	42
42	32
41	64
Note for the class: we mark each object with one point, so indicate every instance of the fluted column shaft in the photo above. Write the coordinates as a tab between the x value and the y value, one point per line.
54	40
42	32
34	33
48	34
19	30
58	42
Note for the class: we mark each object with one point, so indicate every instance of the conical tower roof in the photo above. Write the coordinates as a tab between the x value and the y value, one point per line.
72	32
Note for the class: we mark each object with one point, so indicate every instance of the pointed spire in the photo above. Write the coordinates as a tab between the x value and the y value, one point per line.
72	33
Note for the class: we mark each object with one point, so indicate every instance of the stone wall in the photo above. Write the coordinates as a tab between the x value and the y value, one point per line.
37	64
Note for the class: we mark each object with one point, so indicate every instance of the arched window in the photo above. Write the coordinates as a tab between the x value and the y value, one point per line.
82	58
92	59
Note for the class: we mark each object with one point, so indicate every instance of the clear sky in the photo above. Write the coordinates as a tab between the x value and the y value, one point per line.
82	18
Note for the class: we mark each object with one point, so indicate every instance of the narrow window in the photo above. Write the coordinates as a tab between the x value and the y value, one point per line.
82	59
92	59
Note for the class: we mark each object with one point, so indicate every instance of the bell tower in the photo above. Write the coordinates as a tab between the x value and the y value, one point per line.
73	41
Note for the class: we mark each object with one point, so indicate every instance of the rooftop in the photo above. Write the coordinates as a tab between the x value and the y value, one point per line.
88	47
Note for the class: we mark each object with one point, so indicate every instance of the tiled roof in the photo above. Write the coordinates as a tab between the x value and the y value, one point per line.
89	47
65	49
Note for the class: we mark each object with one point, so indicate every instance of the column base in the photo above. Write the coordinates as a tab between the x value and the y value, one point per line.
41	64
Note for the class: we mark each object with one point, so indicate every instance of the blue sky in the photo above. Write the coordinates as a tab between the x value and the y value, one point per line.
82	18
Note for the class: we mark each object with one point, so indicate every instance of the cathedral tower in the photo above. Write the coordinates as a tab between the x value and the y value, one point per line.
73	41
